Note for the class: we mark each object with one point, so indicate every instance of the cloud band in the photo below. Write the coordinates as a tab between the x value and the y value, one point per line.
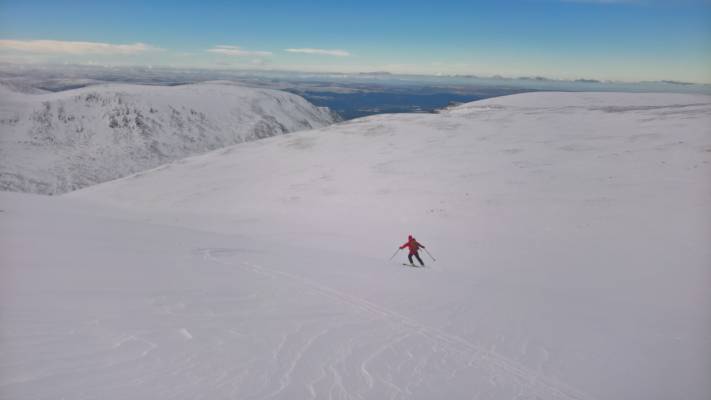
337	53
236	51
76	48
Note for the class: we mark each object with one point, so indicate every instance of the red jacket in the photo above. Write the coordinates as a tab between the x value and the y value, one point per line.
413	245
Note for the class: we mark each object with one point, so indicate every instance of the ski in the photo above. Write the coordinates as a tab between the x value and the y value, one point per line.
413	265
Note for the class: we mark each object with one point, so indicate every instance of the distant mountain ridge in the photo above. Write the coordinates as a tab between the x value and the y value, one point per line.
52	143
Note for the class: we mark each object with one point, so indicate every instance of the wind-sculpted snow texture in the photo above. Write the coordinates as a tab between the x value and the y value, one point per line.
571	234
54	143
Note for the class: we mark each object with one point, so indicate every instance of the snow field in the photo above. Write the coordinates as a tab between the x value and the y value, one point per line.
570	229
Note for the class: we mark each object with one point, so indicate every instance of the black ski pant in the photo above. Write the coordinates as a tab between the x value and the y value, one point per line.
409	257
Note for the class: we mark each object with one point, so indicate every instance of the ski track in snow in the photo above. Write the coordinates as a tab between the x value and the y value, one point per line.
530	384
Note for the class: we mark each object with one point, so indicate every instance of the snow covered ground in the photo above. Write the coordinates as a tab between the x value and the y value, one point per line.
571	233
56	142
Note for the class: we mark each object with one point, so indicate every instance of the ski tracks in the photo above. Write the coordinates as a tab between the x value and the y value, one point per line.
403	339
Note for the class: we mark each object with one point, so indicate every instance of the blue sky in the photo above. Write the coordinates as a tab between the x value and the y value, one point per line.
616	40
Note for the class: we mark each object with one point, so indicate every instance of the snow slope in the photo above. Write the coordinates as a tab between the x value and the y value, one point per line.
57	142
571	234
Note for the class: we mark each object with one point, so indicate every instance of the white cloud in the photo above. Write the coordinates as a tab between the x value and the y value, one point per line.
237	51
337	53
76	48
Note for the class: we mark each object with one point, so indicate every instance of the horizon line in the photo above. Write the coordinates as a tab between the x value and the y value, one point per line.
535	78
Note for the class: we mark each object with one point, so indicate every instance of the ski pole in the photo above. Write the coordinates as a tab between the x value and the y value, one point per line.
396	251
428	253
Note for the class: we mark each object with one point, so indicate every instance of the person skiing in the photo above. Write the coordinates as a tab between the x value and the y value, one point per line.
413	245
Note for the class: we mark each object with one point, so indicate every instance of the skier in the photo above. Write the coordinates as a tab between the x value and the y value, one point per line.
414	246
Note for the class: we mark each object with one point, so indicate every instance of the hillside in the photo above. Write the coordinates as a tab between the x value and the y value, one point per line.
549	152
57	142
571	235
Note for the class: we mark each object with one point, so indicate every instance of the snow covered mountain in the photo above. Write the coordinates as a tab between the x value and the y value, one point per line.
571	235
57	142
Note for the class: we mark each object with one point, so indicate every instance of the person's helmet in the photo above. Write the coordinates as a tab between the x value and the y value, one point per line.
410	237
